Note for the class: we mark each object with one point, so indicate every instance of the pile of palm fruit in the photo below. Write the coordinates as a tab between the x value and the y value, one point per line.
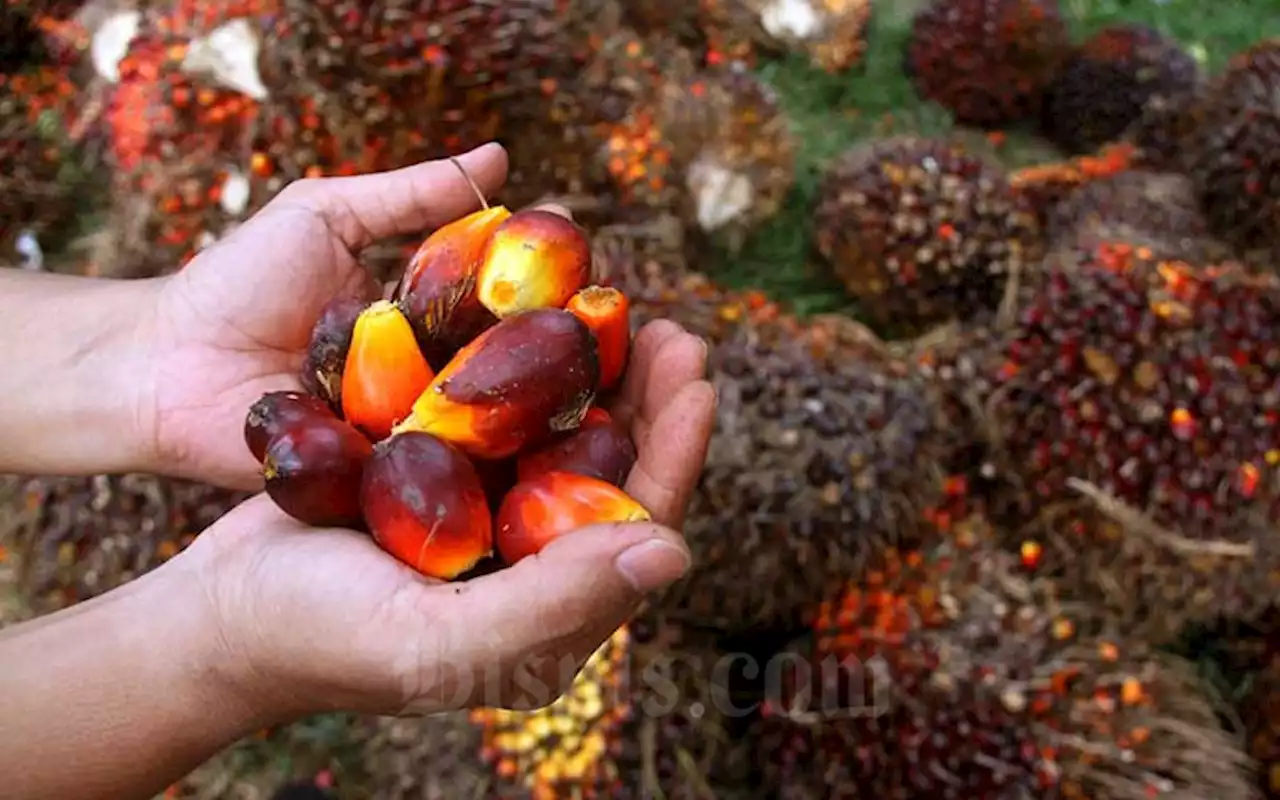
953	549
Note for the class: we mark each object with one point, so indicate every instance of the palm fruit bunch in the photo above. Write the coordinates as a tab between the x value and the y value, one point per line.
1233	153
428	758
1137	415
1260	713
988	62
824	446
1109	79
1152	209
920	231
944	673
78	537
831	33
475	385
647	716
742	163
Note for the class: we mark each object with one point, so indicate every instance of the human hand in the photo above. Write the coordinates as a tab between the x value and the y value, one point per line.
313	620
235	323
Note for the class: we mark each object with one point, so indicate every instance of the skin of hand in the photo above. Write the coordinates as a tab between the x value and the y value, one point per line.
262	619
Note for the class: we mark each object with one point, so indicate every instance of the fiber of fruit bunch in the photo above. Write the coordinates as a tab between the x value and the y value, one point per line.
1144	440
1234	154
831	33
823	447
944	674
85	536
1045	185
1260	713
919	231
417	80
1108	81
741	147
40	167
987	61
644	717
1151	209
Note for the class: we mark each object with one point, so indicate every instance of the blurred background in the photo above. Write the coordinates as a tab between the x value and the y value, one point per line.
990	287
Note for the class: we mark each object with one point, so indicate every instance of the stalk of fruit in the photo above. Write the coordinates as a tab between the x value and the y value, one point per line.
460	418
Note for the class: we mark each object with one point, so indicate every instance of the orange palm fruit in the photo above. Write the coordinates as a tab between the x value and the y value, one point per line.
327	351
385	371
438	290
515	386
314	467
535	259
599	448
538	511
607	313
275	412
425	505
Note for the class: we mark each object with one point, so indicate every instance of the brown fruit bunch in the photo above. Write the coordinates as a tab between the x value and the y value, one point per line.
550	505
534	259
438	290
606	312
313	469
327	353
385	371
425	505
525	379
600	448
275	412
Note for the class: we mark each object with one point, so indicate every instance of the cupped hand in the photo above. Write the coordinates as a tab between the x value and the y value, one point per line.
313	620
236	322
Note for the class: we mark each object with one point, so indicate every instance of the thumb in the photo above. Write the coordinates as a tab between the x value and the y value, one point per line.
534	624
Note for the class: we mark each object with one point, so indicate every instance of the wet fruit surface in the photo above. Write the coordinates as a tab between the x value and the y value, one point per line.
313	470
275	412
327	353
536	259
523	380
599	449
538	511
605	311
385	371
425	505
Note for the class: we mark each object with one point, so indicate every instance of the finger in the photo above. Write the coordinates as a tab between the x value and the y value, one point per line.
364	208
556	208
544	616
667	469
680	361
643	351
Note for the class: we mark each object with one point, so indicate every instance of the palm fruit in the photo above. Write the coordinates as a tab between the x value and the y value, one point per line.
823	445
1108	81
743	165
944	674
41	174
1234	154
76	538
1137	419
920	231
1045	185
987	61
1151	209
831	33
1260	713
646	716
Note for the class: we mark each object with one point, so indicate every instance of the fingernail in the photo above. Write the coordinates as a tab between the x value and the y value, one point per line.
652	564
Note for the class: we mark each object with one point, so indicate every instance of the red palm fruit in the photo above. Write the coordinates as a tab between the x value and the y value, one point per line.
426	506
599	449
385	371
535	259
275	412
438	290
327	353
524	380
607	313
537	511
314	468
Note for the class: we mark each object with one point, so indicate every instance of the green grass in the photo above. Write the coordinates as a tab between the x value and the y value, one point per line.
832	113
